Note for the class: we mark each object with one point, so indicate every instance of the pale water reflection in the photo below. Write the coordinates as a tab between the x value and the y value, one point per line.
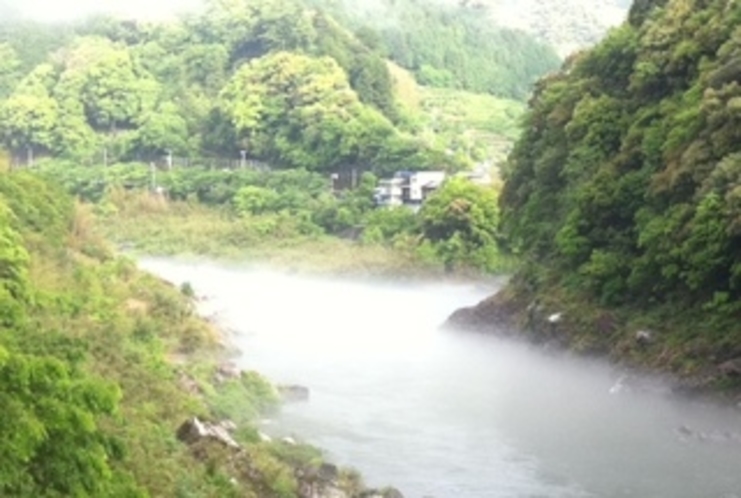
453	415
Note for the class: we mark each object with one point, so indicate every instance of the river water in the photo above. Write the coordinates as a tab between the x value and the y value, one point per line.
452	415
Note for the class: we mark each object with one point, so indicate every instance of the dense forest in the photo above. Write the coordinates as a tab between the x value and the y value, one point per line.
279	81
452	45
623	190
203	86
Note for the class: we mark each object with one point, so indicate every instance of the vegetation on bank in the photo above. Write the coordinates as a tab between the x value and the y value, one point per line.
291	217
100	364
622	193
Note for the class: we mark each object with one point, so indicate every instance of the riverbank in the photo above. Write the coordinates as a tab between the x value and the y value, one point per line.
656	341
393	394
148	225
113	385
234	399
243	398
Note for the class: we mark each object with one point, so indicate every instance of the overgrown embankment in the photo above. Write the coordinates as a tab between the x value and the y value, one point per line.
101	364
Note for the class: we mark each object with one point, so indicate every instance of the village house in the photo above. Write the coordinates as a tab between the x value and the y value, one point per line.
408	188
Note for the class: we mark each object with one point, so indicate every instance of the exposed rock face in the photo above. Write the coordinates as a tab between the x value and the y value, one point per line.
495	314
325	484
385	493
686	434
644	337
514	313
193	431
189	384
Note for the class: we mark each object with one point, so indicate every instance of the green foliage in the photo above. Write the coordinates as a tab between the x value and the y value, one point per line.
255	200
300	112
242	400
385	225
52	445
254	209
210	86
92	361
624	186
462	220
454	46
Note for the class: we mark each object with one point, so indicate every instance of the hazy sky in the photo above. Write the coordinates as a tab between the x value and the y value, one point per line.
64	10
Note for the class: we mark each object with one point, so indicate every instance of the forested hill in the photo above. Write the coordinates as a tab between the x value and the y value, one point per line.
625	189
287	82
509	25
283	82
450	44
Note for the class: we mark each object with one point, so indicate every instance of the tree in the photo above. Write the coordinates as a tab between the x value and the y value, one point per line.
255	200
162	129
10	66
300	111
462	219
52	446
112	89
28	121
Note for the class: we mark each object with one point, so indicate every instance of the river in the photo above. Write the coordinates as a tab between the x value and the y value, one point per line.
450	415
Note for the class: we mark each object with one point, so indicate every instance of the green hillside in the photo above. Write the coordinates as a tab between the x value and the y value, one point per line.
622	194
284	83
450	45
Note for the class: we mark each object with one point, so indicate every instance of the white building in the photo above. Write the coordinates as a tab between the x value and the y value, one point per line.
389	192
408	187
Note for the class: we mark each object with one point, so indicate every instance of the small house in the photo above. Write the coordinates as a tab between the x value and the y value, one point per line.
408	187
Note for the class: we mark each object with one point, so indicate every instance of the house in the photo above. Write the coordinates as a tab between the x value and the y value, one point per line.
389	192
408	187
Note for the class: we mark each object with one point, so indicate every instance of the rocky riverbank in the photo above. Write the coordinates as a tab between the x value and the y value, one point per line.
554	321
208	441
230	441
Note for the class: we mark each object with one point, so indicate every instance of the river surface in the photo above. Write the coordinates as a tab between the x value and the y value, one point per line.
451	415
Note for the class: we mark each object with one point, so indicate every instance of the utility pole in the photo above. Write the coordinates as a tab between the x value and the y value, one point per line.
169	159
243	158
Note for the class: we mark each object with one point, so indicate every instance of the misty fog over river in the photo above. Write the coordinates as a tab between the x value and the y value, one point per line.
451	415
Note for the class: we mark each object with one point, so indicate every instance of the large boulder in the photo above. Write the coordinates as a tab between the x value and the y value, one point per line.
193	431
